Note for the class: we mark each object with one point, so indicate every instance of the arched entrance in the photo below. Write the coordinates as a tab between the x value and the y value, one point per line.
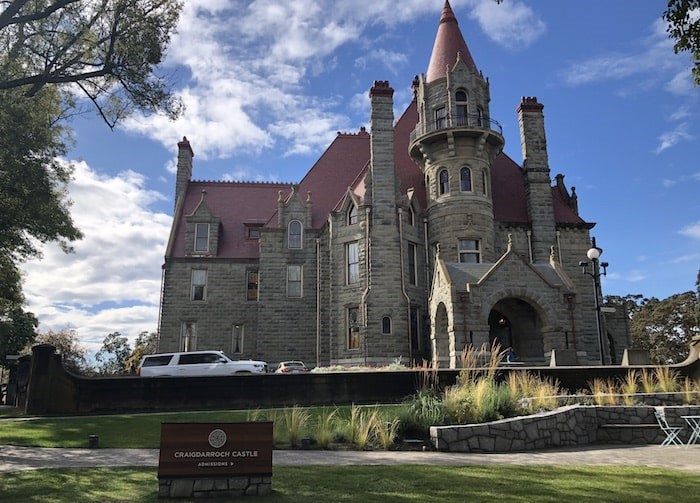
516	323
441	340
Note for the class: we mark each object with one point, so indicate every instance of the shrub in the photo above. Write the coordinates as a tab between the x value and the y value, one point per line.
425	409
295	422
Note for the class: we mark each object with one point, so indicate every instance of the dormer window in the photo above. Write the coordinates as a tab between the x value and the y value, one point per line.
461	107
252	231
201	238
465	179
443	182
294	234
352	215
440	117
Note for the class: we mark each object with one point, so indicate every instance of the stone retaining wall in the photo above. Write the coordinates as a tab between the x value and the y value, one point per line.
564	427
219	487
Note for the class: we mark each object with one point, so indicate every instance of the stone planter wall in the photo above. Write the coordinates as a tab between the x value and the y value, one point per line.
574	425
220	487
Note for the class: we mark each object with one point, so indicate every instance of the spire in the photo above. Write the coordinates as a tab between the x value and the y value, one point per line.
449	45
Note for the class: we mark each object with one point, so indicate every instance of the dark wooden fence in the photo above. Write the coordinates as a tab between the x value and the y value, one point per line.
53	390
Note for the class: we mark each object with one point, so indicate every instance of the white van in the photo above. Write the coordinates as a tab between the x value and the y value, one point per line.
197	363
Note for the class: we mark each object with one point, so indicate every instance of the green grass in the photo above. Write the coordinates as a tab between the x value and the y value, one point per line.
402	483
137	431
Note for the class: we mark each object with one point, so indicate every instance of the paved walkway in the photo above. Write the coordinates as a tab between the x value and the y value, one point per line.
14	458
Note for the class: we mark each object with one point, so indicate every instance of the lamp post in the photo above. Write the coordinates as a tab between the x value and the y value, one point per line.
593	255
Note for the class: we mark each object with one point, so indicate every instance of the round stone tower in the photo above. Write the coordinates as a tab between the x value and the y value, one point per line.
455	144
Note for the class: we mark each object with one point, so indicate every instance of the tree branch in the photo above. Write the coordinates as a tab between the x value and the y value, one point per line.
7	16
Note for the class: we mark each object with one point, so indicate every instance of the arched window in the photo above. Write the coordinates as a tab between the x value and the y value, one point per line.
461	107
443	182
484	182
294	231
352	215
465	179
386	325
410	216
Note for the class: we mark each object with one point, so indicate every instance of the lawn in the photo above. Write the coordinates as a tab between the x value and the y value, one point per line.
381	484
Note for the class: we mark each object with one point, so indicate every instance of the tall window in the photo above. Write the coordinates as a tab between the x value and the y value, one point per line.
412	274
386	325
294	281
237	339
294	231
465	179
480	117
461	104
201	238
440	118
484	183
188	336
353	328
469	252
443	182
410	216
352	215
352	252
199	284
252	285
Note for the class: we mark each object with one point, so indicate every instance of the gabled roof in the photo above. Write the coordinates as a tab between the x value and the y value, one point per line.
449	45
236	204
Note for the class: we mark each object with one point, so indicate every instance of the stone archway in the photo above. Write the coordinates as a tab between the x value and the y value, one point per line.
516	323
441	336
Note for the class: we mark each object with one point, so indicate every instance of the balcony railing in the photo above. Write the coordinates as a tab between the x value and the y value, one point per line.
472	121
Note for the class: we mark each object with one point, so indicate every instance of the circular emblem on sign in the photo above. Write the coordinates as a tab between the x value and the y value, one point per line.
217	438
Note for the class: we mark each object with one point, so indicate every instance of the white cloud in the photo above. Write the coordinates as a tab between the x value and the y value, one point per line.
511	24
671	138
655	55
111	282
691	230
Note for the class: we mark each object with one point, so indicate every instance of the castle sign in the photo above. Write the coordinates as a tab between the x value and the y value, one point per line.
215	449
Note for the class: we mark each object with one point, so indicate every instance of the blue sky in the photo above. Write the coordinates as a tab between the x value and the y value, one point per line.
267	84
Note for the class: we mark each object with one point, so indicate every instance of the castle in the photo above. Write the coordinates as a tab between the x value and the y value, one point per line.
411	240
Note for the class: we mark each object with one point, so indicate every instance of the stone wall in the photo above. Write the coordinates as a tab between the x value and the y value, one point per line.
220	487
565	427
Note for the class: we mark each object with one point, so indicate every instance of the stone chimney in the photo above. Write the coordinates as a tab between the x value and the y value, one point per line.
184	167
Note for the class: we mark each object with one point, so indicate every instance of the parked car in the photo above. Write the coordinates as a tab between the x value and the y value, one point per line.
291	367
197	363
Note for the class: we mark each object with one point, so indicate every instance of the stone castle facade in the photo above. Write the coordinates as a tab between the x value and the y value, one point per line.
411	240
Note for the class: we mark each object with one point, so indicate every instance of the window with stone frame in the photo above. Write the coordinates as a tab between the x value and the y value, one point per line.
252	231
353	217
199	285
237	339
440	118
484	183
411	216
412	266
294	234
465	179
469	251
352	253
252	285
462	108
443	182
353	326
201	238
294	283
188	336
386	325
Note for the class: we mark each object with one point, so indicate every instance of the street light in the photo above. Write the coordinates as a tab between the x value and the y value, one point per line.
594	255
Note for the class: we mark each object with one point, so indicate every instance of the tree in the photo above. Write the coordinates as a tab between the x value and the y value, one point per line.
683	18
146	343
73	355
665	327
116	345
106	48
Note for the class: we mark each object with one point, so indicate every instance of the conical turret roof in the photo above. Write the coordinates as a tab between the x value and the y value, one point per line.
449	43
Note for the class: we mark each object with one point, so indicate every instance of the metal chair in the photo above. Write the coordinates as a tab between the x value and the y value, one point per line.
671	432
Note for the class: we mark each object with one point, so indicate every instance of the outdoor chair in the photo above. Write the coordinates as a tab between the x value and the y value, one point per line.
671	432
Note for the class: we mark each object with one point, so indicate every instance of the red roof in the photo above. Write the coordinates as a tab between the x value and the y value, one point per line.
449	42
344	165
